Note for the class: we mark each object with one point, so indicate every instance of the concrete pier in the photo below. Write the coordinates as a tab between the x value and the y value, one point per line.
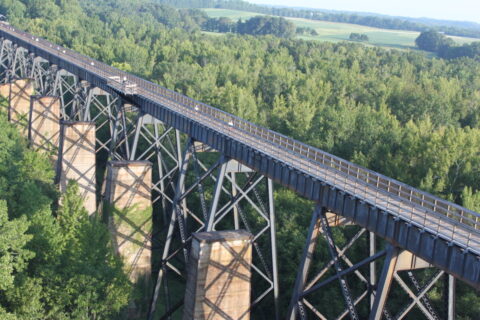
218	284
77	160
44	124
5	94
128	190
5	90
19	108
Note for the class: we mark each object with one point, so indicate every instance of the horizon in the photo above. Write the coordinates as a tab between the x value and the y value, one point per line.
460	10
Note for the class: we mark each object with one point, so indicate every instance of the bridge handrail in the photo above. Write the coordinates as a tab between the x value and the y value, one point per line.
428	221
397	189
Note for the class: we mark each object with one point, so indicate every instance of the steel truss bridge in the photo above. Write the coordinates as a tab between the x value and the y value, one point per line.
213	171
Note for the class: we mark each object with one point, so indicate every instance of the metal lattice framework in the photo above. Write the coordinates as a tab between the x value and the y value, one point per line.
215	171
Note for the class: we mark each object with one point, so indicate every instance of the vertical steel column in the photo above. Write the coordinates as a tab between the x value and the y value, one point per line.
114	138
217	193
171	228
86	114
50	79
236	220
373	271
385	283
180	160
334	253
160	171
138	129
273	242
305	262
451	297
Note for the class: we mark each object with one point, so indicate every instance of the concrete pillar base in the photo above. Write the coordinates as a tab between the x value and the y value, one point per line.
5	90
44	124
5	95
218	284
19	107
128	191
76	160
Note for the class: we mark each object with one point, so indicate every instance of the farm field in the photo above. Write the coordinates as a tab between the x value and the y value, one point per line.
335	31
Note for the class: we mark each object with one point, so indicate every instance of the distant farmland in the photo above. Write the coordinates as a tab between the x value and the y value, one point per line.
334	31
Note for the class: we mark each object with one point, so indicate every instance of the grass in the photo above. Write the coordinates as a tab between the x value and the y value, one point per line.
335	31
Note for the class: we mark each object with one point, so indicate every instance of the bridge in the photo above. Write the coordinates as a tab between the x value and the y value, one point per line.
238	162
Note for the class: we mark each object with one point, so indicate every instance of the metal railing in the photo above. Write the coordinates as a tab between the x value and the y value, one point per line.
438	216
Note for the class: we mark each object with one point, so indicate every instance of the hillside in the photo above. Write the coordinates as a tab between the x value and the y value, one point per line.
336	31
453	28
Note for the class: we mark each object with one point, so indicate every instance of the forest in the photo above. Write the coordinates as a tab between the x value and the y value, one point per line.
55	263
402	113
261	25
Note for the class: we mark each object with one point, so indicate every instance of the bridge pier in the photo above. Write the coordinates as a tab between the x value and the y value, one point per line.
77	161
44	123
5	91
128	192
218	283
21	91
236	203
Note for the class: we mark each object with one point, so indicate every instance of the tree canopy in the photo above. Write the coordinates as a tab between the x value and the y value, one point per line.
445	47
54	264
358	37
432	41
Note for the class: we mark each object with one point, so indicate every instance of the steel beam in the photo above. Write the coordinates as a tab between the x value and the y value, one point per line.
305	262
384	283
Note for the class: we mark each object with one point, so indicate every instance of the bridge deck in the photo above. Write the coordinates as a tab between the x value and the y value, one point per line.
440	218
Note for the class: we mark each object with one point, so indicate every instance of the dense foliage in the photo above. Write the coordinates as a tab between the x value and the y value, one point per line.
445	47
455	28
432	41
358	36
54	264
307	31
261	25
397	112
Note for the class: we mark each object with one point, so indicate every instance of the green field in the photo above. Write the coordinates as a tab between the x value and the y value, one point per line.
334	31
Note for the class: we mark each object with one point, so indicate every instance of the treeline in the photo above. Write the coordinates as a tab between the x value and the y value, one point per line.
400	113
358	36
306	31
194	20
361	19
445	47
261	25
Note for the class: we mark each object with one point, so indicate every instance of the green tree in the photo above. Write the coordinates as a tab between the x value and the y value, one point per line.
14	256
358	37
54	265
432	41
